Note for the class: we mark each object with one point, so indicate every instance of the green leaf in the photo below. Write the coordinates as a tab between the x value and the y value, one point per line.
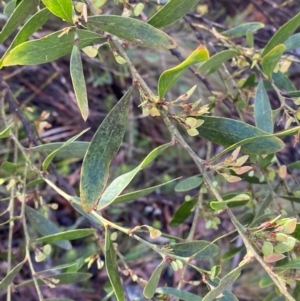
183	212
30	27
242	29
45	227
250	81
295	264
131	196
51	156
199	249
238	200
182	295
150	287
77	149
282	34
231	253
271	59
112	268
67	235
291	94
103	148
265	281
19	15
225	282
171	76
64	278
9	278
292	43
172	11
189	184
226	132
5	133
262	109
9	167
121	182
291	198
216	61
9	7
49	48
78	81
61	8
283	82
294	165
133	30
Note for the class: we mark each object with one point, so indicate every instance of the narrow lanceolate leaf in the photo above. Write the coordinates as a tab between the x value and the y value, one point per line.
19	15
67	235
293	42
9	278
44	226
241	30
30	27
121	182
216	61
271	59
225	282
78	81
133	30
51	156
61	8
226	132
262	109
103	148
112	268
236	201
182	295
282	34
50	47
171	12
5	133
150	288
170	77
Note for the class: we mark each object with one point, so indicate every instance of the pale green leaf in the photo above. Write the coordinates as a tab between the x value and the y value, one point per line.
293	42
182	295
78	81
9	278
61	8
133	30
103	148
236	201
262	109
189	184
271	59
120	183
172	11
9	167
242	29
6	132
282	34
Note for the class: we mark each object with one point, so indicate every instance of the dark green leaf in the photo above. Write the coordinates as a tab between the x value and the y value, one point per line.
262	109
250	81
131	196
282	34
183	212
61	8
49	48
121	182
282	81
296	292
103	148
231	253
150	287
199	249
45	227
67	235
242	29
189	184
226	132
78	81
271	59
295	165
170	77
77	149
182	295
291	198
112	268
265	281
171	12
264	162
295	264
9	167
9	278
292	94
51	156
133	30
19	15
225	282
30	27
293	42
216	61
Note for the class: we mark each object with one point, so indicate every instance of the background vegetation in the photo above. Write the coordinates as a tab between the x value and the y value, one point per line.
195	206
